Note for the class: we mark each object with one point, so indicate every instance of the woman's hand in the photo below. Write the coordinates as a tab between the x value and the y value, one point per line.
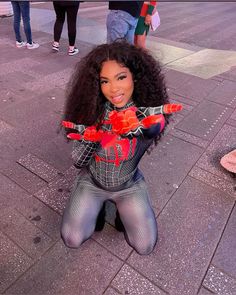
89	134
148	19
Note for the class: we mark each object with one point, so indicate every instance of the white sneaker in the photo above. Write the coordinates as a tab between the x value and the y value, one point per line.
20	44
32	45
55	46
73	51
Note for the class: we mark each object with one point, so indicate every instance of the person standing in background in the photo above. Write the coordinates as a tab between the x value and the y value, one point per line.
144	23
122	20
22	9
63	8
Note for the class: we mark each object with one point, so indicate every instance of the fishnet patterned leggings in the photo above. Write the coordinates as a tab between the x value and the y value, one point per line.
133	205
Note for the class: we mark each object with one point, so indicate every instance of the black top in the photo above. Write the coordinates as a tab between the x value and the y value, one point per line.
132	7
67	3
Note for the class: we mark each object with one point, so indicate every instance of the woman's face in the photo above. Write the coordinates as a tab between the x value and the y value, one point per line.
117	83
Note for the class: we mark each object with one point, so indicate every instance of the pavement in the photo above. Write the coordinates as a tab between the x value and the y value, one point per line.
192	195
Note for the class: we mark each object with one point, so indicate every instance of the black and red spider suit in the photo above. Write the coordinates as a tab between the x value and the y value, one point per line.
109	159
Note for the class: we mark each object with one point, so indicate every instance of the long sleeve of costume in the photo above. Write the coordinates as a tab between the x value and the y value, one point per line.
83	152
155	129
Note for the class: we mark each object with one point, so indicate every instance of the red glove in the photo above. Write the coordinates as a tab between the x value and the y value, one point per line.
84	133
152	120
171	108
124	121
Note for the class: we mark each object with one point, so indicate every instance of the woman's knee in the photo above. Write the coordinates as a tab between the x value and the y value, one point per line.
145	248
71	239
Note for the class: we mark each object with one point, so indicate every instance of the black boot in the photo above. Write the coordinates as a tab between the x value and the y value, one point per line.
118	223
101	219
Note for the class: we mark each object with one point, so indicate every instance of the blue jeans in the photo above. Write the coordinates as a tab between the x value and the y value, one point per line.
120	25
22	9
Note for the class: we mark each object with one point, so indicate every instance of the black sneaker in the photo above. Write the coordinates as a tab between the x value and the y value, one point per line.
101	219
118	223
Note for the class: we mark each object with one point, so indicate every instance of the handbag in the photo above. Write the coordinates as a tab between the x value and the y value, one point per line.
155	21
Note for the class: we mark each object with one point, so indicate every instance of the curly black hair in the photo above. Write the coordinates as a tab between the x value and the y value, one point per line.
85	100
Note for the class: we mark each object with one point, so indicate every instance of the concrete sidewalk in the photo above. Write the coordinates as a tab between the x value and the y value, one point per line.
193	196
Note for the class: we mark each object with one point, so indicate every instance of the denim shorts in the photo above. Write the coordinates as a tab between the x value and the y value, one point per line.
120	25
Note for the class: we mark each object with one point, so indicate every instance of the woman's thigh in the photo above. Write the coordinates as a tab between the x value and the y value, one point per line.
60	12
138	218
72	12
16	10
25	10
79	218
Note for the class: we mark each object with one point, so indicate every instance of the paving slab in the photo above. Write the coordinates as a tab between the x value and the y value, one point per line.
225	94
56	152
225	256
205	120
111	291
34	109
204	291
5	127
166	53
175	79
231	122
114	241
196	88
11	194
12	95
231	75
23	177
219	282
178	99
56	79
174	158
214	181
58	62
186	101
6	47
205	63
70	174
233	116
14	262
87	270
223	143
55	194
190	227
20	63
189	138
33	242
39	167
128	281
44	218
173	121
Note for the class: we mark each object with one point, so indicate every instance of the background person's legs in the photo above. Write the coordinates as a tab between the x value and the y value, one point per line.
72	12
130	34
17	19
140	40
25	11
60	19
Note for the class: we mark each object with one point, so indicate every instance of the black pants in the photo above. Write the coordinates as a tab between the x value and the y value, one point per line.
61	10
